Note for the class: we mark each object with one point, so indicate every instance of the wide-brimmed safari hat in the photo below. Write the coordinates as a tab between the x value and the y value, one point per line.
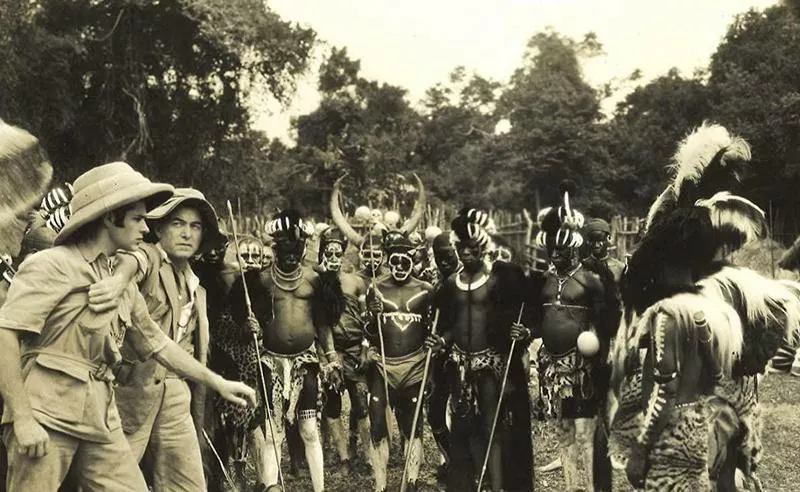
108	187
212	237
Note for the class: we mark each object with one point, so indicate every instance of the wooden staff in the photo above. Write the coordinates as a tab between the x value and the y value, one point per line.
383	353
262	381
499	401
418	409
219	460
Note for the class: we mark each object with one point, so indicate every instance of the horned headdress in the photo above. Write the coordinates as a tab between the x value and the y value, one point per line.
560	225
390	219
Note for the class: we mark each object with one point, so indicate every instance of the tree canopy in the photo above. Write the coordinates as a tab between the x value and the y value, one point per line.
169	86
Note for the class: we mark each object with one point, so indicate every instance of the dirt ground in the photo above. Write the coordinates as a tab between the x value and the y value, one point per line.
779	468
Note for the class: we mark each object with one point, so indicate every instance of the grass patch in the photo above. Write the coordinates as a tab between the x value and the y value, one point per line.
779	470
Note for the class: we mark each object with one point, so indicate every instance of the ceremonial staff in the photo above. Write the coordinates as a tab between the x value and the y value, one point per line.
219	460
499	401
418	408
262	381
383	353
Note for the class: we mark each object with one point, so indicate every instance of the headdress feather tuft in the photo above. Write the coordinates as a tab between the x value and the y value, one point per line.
560	225
470	225
708	160
289	223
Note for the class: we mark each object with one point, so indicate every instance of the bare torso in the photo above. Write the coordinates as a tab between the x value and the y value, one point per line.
471	310
566	305
405	310
349	331
292	327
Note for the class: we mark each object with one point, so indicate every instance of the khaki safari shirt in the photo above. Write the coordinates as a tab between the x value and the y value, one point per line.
66	349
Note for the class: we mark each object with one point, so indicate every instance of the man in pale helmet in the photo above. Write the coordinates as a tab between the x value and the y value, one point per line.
160	411
56	377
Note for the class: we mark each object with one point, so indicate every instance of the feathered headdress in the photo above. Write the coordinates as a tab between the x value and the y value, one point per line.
709	163
289	224
470	225
696	218
55	207
560	225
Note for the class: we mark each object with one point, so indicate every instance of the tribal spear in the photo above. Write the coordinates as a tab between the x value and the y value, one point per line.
418	409
383	352
499	401
219	460
262	381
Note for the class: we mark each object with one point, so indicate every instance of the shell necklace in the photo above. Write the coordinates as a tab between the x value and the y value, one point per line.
287	282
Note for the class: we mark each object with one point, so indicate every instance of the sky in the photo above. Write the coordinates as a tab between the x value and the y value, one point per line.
417	43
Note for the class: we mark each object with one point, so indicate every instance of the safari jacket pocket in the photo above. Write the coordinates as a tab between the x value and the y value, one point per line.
136	403
58	387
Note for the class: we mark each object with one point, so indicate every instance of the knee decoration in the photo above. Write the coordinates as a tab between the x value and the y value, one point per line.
304	415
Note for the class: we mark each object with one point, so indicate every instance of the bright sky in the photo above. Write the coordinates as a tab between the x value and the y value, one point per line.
416	43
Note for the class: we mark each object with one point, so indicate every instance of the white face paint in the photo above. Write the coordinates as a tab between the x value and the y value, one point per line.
332	257
400	266
501	254
250	252
371	259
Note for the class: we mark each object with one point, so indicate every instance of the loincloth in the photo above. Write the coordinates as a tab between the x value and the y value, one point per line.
401	372
467	366
350	358
566	386
234	358
287	374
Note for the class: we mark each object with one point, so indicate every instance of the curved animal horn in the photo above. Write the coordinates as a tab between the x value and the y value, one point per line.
338	217
419	209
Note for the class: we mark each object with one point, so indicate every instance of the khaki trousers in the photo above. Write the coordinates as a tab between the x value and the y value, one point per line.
95	466
170	438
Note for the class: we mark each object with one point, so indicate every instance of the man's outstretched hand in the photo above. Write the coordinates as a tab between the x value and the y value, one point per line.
236	392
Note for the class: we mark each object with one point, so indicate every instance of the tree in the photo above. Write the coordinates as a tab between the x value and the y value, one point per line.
361	127
163	84
644	134
753	85
555	122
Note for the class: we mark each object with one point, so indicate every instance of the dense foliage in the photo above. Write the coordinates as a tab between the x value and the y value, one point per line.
168	86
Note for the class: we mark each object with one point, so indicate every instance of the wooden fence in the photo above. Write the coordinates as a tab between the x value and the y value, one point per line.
624	234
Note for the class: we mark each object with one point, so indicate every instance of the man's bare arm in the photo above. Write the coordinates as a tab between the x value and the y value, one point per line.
177	360
30	436
11	385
